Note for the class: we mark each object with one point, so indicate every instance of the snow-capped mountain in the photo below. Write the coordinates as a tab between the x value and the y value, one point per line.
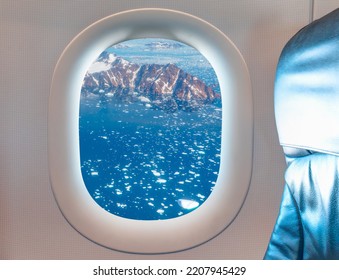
164	86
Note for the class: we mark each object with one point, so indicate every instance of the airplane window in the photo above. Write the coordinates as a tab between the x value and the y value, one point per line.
150	129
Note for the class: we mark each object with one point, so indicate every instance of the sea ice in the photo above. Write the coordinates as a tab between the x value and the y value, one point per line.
162	181
161	211
188	204
118	192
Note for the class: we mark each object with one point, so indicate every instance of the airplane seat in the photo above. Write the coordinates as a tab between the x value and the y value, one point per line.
307	117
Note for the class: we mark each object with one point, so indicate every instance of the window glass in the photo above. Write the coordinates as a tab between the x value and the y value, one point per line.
150	129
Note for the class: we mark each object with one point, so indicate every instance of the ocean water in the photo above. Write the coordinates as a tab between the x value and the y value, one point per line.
147	164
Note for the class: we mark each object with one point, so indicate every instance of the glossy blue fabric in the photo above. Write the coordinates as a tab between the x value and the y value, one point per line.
308	223
306	89
307	116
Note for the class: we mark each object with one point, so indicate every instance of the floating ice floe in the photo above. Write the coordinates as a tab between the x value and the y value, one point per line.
155	173
188	204
121	205
162	181
161	211
118	192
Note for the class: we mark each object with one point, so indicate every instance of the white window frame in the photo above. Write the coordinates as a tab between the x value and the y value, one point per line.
228	196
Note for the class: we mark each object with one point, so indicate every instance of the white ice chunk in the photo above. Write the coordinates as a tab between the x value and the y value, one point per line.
162	181
161	211
188	204
155	173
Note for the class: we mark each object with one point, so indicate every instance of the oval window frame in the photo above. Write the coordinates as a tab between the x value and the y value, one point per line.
228	196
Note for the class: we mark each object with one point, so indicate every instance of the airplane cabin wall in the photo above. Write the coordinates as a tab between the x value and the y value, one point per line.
32	36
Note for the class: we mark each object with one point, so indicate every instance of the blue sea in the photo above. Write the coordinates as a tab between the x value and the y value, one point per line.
147	164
